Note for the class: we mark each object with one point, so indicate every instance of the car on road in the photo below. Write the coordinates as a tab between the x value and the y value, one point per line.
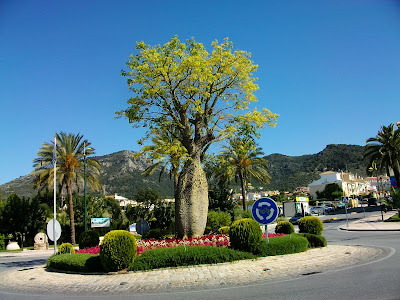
317	210
295	219
372	202
340	205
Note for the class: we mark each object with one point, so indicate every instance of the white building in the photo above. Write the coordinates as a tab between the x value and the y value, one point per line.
123	202
350	184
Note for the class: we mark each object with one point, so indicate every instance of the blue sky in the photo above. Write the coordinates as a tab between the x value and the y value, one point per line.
331	69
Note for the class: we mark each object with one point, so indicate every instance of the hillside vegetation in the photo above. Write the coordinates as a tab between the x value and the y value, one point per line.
121	174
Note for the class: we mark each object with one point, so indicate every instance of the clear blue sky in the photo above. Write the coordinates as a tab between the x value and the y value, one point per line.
331	69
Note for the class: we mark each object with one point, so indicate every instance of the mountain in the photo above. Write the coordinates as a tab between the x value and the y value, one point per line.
290	172
121	174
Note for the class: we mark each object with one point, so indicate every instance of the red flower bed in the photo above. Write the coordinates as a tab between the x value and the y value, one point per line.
219	240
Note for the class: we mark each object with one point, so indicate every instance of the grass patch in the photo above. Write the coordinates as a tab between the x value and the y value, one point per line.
287	244
78	262
394	218
186	256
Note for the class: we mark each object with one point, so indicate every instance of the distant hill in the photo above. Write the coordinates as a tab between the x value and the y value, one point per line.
121	174
289	172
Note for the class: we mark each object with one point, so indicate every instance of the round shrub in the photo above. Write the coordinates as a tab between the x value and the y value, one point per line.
66	248
89	239
245	235
314	241
311	225
118	250
217	219
284	227
224	230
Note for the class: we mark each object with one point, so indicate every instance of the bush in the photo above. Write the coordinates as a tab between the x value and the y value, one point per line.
79	262
216	220
224	230
66	248
245	235
284	227
155	234
314	241
186	256
2	242
281	245
118	250
311	225
88	239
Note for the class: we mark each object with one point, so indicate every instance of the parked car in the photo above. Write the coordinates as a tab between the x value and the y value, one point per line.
340	205
317	210
372	202
295	219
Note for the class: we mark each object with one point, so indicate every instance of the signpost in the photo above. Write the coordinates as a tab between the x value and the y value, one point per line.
54	232
265	211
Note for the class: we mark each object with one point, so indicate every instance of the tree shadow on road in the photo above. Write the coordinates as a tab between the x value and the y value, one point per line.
23	264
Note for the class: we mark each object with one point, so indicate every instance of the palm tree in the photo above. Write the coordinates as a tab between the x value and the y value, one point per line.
167	154
245	163
69	167
384	150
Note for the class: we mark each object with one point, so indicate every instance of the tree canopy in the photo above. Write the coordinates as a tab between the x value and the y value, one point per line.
191	98
190	94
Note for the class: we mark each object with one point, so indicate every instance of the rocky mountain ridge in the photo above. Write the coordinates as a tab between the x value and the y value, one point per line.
121	174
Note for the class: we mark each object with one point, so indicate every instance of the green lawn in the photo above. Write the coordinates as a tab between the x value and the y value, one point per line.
394	218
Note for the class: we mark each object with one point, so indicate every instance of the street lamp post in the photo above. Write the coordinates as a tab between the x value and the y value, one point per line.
84	181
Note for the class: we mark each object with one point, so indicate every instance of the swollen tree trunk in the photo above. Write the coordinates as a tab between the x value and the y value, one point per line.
71	213
191	200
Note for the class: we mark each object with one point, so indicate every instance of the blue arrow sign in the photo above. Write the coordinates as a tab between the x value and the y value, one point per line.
265	211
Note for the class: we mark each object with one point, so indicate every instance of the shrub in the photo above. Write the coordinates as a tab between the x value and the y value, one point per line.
186	256
311	225
284	227
89	239
80	262
2	242
66	248
314	241
224	230
281	245
118	250
245	235
216	220
155	234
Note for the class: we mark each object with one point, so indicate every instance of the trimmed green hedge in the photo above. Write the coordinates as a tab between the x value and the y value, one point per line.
66	248
311	225
78	262
284	227
314	241
245	235
280	245
186	256
118	250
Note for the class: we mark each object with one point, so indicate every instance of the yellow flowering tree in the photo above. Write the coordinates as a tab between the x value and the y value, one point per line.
192	96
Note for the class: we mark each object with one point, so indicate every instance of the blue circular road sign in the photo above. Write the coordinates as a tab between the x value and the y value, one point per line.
265	211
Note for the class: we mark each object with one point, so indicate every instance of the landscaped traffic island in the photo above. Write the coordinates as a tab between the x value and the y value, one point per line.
120	251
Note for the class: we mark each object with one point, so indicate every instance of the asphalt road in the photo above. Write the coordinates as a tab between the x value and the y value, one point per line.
379	279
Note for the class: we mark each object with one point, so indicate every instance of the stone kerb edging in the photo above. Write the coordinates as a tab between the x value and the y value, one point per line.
39	281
